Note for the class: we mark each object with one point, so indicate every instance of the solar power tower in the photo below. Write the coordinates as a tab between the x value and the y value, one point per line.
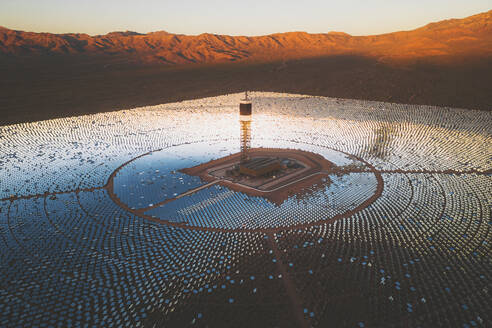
245	109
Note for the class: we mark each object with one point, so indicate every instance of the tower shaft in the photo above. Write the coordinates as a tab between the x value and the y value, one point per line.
245	139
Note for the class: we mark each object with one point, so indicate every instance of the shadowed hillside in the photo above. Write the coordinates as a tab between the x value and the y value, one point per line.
448	63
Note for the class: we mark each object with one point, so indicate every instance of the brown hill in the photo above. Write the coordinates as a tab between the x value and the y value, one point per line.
43	75
452	38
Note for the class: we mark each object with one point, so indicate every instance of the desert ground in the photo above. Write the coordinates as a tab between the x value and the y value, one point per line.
447	63
44	89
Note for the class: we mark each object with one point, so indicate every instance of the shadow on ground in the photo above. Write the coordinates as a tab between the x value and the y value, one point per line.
44	88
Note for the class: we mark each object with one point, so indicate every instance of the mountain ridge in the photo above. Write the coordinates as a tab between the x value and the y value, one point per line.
471	36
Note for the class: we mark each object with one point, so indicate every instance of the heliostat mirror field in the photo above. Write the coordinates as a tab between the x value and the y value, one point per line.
99	225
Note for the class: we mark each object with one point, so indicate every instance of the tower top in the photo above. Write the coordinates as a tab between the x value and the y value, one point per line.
245	106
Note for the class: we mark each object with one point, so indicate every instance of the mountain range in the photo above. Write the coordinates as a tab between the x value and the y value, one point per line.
453	38
448	63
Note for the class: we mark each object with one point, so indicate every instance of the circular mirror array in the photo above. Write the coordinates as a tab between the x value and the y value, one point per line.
402	236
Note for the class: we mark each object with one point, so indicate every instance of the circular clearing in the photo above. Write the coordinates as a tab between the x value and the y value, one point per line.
154	186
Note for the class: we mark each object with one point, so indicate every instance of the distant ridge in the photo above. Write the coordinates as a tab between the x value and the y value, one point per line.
471	36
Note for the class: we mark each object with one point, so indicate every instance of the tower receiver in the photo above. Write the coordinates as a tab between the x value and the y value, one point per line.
245	106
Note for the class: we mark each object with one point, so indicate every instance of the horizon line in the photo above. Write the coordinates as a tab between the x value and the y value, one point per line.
243	35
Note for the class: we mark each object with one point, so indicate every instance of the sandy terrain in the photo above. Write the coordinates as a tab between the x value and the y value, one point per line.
39	90
44	76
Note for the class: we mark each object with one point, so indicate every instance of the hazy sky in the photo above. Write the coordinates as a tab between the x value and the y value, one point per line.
248	17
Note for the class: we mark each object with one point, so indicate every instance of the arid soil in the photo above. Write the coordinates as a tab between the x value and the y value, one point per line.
44	76
38	91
